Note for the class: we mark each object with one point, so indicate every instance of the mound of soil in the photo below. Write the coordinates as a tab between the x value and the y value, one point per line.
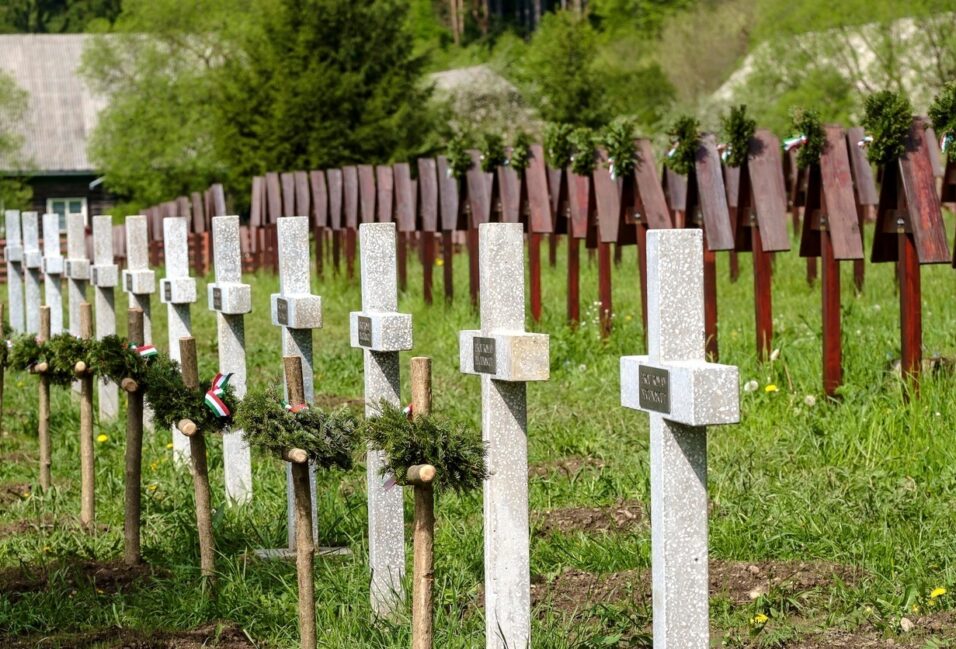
622	517
106	577
569	466
210	636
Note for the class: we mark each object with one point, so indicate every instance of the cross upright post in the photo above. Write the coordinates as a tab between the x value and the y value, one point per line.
139	281
382	333
14	256
53	270
177	291
33	265
298	312
231	300
683	395
104	275
506	358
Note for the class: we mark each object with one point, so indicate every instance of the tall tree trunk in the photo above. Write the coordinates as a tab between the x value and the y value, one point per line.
455	34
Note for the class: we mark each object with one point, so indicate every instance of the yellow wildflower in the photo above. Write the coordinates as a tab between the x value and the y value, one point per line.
439	262
939	591
151	487
914	608
759	620
170	445
101	438
772	387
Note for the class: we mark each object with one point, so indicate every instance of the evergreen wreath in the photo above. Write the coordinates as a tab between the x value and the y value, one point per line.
459	161
942	112
520	152
116	360
457	453
25	352
583	159
557	144
807	123
492	152
171	401
738	130
887	119
618	141
62	353
4	345
329	438
685	133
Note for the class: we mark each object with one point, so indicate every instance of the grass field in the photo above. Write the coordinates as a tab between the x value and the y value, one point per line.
831	524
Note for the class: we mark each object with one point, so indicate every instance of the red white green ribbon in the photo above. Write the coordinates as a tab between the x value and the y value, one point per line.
408	410
214	394
794	142
865	142
296	409
145	351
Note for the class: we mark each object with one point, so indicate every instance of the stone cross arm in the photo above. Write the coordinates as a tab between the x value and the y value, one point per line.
380	331
294	306
77	266
103	273
693	393
52	254
138	279
505	355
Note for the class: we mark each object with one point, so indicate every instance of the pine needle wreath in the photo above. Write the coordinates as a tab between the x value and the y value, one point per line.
887	119
618	141
520	152
459	161
457	453
116	360
685	133
738	130
557	145
329	438
171	401
4	350
62	352
807	123
583	159
25	352
942	112
492	152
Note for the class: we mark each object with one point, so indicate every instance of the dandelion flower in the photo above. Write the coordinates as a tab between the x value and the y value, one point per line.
101	438
771	387
939	591
439	262
759	620
170	445
151	487
810	400
751	386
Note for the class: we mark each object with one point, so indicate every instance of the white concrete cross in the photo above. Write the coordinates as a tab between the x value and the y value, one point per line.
53	270
298	312
33	265
139	281
231	300
506	358
177	291
382	332
104	276
13	253
683	395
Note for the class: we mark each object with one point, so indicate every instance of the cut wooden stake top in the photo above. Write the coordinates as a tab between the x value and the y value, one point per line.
420	475
79	369
41	367
295	455
129	385
187	427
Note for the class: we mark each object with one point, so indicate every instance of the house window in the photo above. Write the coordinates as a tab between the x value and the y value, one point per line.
64	206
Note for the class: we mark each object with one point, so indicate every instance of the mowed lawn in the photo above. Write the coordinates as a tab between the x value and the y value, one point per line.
832	523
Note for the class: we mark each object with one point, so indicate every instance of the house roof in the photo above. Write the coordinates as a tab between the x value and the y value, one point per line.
61	111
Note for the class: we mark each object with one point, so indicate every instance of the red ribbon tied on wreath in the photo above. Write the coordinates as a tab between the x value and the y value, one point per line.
214	395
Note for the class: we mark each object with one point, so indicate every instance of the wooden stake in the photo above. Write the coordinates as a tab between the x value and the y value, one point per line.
402	254
472	239
911	311
3	370
574	281
642	273
534	270
604	287
134	452
763	307
448	257
197	453
832	353
710	304
336	251
304	543
428	262
421	477
552	250
859	266
87	467
350	253
43	429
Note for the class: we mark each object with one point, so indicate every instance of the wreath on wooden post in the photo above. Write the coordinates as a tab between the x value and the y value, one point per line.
887	119
738	130
685	138
583	158
811	138
618	140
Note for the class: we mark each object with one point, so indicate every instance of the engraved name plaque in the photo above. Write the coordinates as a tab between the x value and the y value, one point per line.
655	392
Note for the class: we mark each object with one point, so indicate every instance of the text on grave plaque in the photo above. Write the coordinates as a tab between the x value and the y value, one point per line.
282	311
129	282
167	291
485	359
654	386
364	331
217	299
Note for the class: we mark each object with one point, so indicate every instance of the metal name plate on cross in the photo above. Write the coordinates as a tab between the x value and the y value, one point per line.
52	271
139	281
382	333
506	357
104	276
683	394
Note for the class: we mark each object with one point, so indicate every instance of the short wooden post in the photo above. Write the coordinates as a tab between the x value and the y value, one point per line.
197	453
3	370
87	467
832	353
304	543
427	240
43	428
134	450
911	312
574	280
422	477
762	296
448	258
604	287
534	271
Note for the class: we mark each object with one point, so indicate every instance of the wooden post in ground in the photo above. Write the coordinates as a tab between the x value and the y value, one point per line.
304	542
3	370
134	450
43	428
422	477
197	453
87	467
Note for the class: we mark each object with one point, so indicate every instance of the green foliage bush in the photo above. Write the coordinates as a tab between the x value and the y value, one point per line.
887	119
942	112
520	156
459	161
685	133
807	123
618	140
557	144
492	152
738	128
583	158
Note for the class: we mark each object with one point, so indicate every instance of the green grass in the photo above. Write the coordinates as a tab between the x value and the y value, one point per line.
867	482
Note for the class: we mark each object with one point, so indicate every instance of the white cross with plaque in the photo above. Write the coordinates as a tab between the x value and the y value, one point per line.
53	270
231	300
505	357
683	394
139	281
104	276
13	253
33	265
382	333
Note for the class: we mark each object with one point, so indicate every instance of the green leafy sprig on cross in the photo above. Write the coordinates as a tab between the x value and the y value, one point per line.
583	158
807	123
738	130
557	144
685	134
618	140
942	112
887	119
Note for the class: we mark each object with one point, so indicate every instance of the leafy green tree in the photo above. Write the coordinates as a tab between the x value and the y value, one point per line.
57	16
14	192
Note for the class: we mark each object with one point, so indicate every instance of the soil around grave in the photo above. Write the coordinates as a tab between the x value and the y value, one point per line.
568	466
107	577
334	401
622	517
12	492
209	636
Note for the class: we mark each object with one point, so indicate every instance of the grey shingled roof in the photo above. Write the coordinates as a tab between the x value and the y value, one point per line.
62	111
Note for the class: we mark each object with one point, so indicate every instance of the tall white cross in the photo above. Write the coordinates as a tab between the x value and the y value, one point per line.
33	265
298	312
231	300
53	270
506	358
139	281
382	332
13	252
683	394
104	276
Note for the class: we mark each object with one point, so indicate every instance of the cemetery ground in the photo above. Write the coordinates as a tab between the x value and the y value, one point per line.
831	524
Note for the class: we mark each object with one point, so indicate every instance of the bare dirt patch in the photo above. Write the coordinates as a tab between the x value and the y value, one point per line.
106	577
12	492
333	401
568	466
622	517
210	636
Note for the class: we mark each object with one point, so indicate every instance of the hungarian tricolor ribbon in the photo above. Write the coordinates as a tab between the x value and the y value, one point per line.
946	142
865	142
145	351
794	142
407	410
214	394
296	409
